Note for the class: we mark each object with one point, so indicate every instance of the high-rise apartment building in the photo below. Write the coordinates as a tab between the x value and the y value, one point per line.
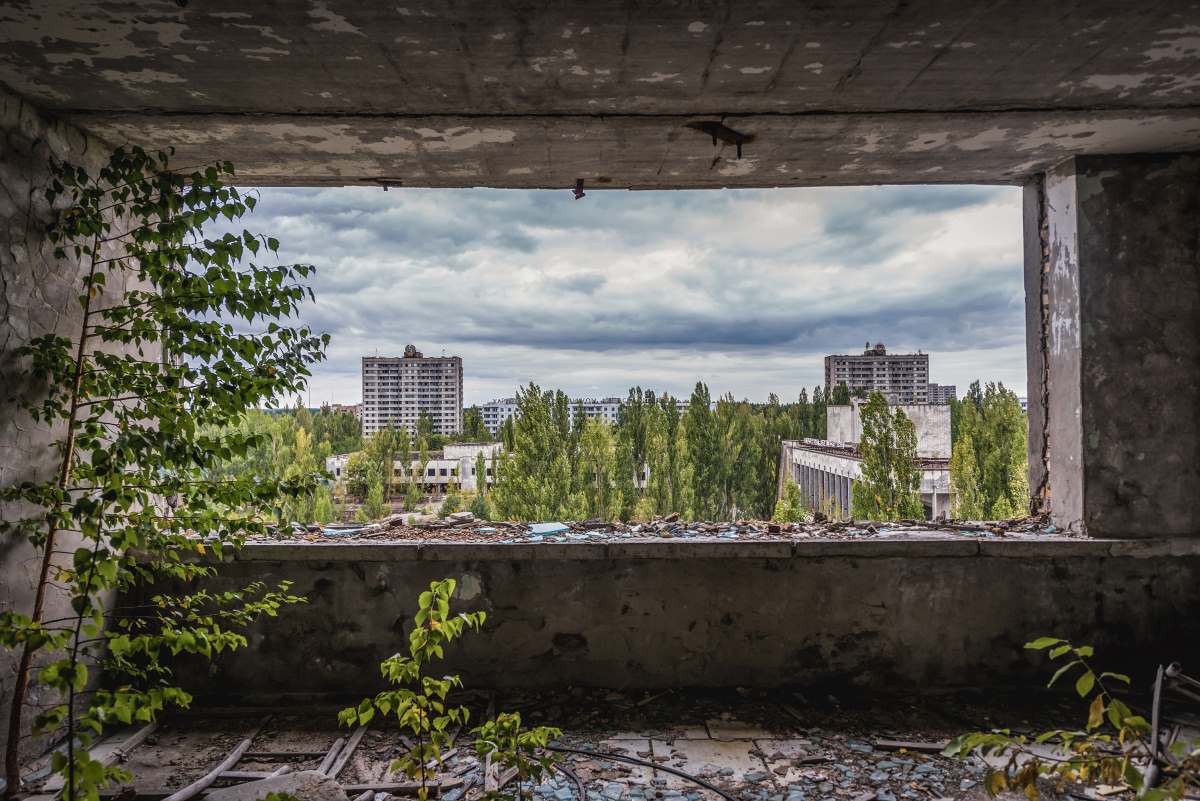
396	390
901	377
942	393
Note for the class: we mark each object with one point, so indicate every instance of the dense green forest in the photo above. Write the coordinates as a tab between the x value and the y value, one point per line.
709	462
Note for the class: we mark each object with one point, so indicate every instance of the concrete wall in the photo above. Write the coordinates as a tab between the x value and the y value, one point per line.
656	614
39	297
1123	344
931	421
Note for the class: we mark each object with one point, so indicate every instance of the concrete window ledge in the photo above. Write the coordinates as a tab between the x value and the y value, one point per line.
912	547
897	612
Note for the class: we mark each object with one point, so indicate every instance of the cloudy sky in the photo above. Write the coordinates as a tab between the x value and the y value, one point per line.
746	290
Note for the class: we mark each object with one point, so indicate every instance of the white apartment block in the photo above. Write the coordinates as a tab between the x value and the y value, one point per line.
396	390
495	412
456	466
901	377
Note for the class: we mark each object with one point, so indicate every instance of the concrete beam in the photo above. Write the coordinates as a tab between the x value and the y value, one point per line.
645	151
538	95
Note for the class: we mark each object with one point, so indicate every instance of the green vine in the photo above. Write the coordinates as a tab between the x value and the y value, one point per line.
179	335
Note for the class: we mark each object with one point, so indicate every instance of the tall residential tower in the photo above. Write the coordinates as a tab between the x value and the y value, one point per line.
396	390
901	377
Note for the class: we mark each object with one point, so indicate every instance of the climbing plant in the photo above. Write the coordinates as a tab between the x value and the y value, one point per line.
179	334
1111	747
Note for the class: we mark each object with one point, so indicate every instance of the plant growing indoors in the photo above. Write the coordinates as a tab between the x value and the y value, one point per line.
419	701
179	335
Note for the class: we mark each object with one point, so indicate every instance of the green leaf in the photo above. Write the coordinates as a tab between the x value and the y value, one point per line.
1096	712
1059	673
1084	684
1042	642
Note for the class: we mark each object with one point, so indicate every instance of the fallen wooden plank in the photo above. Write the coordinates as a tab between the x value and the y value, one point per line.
244	775
334	750
908	745
107	753
346	752
205	781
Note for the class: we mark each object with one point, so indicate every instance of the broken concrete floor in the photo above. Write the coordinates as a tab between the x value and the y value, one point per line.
776	746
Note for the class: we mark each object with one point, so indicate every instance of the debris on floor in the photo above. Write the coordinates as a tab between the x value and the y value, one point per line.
464	527
671	745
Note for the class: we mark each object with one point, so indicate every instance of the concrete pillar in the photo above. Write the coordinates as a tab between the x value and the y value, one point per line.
1113	298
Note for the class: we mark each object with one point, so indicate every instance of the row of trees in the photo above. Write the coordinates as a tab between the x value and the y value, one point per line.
709	461
989	466
292	444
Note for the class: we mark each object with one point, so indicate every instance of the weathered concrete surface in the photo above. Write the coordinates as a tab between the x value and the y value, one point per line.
1124	344
38	298
539	94
931	421
882	613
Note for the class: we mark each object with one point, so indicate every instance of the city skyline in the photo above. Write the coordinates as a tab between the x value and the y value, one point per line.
746	290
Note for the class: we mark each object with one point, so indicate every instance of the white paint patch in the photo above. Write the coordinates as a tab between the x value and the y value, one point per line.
816	67
265	31
463	138
992	137
578	70
870	143
520	171
812	45
658	77
500	37
963	45
329	20
735	167
264	53
928	141
697	27
754	70
1183	47
756	23
900	45
142	80
469	587
567	33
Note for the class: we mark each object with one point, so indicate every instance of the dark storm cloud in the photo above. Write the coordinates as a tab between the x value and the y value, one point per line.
622	285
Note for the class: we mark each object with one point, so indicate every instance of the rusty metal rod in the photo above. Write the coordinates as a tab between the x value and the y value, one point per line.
643	763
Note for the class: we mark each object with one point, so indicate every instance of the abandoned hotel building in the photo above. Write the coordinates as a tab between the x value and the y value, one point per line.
825	470
1092	108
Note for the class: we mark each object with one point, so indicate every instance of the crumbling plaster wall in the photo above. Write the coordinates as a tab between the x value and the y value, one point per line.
1122	343
661	614
39	297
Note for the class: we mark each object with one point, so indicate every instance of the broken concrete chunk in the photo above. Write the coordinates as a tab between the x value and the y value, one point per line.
307	785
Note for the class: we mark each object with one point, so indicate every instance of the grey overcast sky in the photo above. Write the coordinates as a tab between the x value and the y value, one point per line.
746	290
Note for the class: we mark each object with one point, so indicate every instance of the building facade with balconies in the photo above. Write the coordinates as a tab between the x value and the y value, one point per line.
397	390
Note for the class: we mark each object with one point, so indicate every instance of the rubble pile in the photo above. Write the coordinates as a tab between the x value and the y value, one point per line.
464	527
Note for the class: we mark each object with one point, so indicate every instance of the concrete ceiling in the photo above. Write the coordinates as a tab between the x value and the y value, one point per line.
529	94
